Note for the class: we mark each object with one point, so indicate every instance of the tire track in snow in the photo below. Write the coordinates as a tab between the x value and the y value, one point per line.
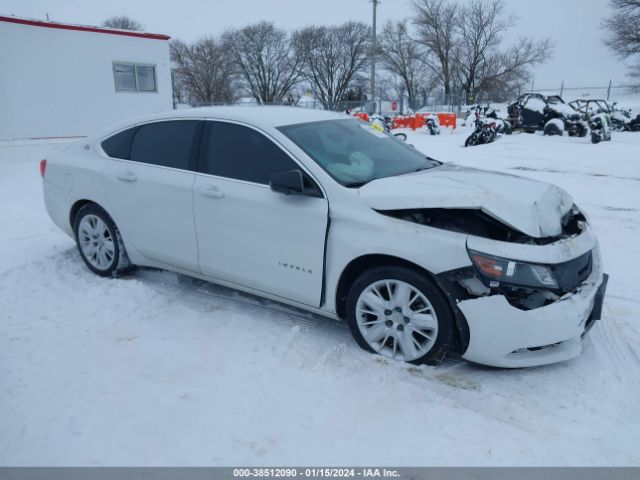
572	172
206	296
613	345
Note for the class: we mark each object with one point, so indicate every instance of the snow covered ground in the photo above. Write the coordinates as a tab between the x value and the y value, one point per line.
159	369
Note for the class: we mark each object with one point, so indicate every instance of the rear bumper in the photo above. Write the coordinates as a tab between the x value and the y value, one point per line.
502	335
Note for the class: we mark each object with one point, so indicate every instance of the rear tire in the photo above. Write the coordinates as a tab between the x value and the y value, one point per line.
552	129
99	242
401	314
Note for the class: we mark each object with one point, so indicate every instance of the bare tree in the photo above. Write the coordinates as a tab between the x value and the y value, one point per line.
435	22
464	46
480	26
202	72
332	58
503	71
266	60
481	64
624	32
404	58
122	22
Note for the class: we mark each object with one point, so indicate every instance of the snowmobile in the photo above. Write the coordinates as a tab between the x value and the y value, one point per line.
533	112
599	125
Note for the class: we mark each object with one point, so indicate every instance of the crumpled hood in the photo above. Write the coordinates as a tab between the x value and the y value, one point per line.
532	207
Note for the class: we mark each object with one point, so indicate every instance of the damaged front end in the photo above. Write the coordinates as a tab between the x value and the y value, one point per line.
523	300
475	221
526	285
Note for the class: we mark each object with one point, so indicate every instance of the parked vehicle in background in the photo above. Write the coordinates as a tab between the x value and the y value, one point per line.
383	124
503	125
599	125
624	120
633	125
591	106
620	119
432	124
533	112
485	130
324	212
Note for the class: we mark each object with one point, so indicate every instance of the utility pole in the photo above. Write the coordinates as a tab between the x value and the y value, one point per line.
374	49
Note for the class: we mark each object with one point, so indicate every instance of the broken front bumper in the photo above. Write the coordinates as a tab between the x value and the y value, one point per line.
502	335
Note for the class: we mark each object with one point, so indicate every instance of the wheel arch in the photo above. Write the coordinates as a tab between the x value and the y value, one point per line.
368	261
78	204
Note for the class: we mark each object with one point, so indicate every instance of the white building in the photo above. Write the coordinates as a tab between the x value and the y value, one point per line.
60	80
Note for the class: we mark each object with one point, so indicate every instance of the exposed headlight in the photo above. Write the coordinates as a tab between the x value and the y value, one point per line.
496	270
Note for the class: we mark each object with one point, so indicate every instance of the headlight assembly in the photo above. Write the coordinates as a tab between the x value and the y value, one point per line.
496	270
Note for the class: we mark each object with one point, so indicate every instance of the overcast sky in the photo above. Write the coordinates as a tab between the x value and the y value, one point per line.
580	58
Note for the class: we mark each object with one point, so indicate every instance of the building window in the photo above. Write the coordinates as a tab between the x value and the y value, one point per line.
130	77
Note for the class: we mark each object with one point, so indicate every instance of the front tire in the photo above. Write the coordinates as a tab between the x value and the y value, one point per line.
400	314
99	242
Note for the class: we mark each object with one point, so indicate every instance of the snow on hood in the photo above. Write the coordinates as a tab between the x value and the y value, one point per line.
532	207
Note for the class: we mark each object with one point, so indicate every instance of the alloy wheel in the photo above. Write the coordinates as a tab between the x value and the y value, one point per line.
96	242
396	320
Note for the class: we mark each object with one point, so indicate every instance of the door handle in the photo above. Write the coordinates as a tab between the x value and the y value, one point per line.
211	191
127	176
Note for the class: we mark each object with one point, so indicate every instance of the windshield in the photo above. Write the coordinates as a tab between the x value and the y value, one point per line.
355	153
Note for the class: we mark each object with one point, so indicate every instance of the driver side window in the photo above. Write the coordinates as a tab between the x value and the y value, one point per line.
235	151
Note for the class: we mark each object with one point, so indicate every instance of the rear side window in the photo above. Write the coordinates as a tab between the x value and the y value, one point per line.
119	146
168	144
235	151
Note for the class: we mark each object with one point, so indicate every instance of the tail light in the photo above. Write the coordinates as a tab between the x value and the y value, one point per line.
43	167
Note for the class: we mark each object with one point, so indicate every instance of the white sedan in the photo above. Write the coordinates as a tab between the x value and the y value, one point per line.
321	211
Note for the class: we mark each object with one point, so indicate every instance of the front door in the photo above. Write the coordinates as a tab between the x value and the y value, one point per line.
248	234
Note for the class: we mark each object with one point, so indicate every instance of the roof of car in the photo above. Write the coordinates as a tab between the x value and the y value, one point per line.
274	116
260	116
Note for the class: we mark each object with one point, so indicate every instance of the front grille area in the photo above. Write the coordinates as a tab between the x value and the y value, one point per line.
571	274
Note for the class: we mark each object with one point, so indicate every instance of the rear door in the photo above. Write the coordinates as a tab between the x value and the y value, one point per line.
150	190
248	234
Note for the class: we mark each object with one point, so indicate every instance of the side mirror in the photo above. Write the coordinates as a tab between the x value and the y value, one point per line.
287	182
